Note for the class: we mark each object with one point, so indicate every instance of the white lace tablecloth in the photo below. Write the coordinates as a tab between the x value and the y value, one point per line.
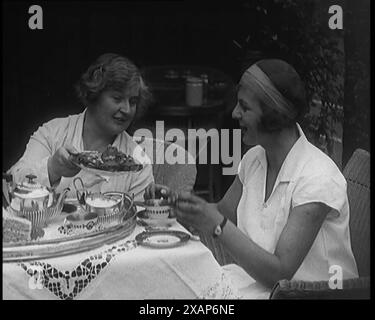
122	270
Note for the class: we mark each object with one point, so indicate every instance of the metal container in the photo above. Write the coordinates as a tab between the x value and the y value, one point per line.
103	204
111	207
204	78
36	203
194	92
30	199
30	195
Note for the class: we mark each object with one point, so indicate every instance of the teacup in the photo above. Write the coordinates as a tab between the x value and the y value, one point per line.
155	209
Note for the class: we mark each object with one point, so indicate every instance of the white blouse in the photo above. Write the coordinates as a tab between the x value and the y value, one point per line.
69	131
307	175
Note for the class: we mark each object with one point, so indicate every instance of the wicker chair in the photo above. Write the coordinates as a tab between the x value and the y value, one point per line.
357	174
358	288
178	177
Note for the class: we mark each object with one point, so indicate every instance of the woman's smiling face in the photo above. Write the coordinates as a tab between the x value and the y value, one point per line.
115	110
248	112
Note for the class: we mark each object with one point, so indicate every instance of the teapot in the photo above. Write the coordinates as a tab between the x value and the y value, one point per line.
30	195
34	201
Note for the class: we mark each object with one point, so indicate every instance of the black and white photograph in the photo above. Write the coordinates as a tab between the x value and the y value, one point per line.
187	151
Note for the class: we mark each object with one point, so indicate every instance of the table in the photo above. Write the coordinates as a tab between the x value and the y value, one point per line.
122	270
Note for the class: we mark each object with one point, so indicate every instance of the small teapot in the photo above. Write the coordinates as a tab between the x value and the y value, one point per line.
34	201
30	195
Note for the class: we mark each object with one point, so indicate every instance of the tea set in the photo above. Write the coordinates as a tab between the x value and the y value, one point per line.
40	204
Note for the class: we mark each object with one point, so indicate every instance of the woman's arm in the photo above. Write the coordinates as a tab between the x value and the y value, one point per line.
41	159
294	243
227	206
35	158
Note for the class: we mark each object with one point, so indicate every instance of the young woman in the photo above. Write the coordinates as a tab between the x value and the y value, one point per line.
113	94
286	215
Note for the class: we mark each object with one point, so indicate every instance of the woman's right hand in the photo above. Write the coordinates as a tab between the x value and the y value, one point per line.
158	191
61	165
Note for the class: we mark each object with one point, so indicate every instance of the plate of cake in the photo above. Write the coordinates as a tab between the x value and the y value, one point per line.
108	163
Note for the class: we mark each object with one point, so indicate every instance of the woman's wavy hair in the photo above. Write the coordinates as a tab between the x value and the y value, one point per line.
112	72
288	82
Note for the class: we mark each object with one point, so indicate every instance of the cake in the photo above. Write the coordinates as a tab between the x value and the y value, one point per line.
111	160
15	229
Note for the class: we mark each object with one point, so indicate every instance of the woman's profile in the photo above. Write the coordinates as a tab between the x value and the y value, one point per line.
286	215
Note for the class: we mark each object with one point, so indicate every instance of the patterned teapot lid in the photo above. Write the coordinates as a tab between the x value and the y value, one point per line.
31	189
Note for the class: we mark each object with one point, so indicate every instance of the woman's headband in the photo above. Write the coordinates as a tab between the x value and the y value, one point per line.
255	78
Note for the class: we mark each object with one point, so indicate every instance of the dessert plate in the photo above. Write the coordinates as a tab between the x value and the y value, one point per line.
162	239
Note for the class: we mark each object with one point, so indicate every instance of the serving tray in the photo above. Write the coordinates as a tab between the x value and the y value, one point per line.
55	244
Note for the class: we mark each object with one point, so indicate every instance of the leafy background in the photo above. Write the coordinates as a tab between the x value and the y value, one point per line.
41	67
334	64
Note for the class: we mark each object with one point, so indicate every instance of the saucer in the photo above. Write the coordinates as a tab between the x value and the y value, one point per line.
162	239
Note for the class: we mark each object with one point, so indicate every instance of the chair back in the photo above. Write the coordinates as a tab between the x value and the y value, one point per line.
358	288
177	176
357	174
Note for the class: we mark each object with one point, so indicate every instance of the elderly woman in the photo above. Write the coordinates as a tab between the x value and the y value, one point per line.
286	215
113	93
